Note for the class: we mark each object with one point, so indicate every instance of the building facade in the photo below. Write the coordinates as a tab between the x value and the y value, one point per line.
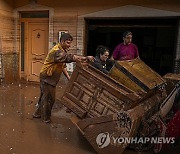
29	28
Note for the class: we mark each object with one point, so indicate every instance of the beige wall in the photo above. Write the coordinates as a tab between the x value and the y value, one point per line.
65	18
8	60
66	13
81	7
6	25
66	24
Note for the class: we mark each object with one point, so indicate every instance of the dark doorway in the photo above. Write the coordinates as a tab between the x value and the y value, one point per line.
155	38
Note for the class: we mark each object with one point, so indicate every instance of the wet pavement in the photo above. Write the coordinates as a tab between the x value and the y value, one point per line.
21	134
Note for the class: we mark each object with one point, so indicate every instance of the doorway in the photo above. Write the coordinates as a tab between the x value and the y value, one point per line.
34	43
155	38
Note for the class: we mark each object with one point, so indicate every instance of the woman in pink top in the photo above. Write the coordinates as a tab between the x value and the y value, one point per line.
126	50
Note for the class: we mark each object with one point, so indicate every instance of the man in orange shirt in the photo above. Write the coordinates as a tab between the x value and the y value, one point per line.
54	65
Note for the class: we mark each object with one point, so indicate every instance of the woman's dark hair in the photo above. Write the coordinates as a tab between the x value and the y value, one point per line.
101	50
66	36
126	33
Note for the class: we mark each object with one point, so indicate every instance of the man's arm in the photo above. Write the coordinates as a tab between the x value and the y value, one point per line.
65	72
62	57
125	57
78	58
137	52
115	55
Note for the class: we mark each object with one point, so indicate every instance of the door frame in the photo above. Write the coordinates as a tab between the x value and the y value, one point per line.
17	27
24	74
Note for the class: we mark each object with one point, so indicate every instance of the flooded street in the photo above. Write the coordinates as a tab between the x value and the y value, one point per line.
21	134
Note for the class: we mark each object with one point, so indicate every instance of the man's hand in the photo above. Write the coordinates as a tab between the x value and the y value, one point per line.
126	58
90	58
65	72
83	59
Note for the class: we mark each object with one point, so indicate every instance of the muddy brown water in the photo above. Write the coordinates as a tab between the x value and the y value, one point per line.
21	134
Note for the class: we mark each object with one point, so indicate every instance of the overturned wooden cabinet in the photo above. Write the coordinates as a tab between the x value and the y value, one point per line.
115	105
